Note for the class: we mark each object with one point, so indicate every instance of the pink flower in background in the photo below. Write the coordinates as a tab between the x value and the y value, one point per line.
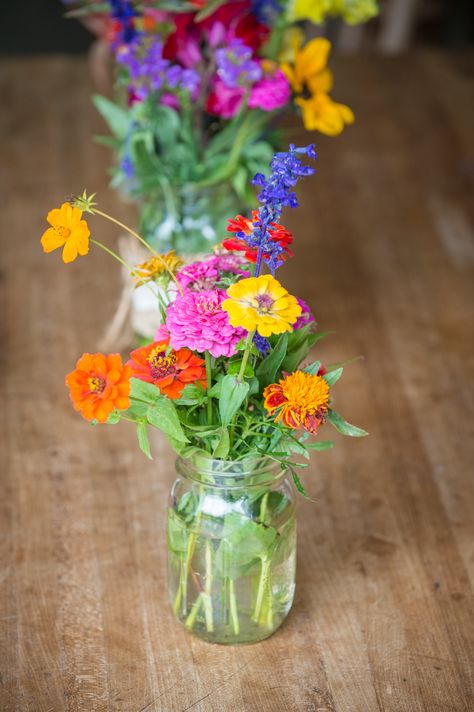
229	263
203	275
223	101
197	321
306	317
271	92
162	333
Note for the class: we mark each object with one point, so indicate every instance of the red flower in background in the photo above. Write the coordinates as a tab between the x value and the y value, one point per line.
278	233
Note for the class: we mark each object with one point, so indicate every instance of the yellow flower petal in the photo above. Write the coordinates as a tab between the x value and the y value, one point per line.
51	240
70	250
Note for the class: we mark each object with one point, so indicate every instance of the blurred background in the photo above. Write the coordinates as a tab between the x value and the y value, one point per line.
401	25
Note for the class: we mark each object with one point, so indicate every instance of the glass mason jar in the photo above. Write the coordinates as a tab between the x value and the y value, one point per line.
231	533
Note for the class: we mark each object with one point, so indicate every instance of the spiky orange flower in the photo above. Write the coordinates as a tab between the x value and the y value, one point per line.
158	268
169	371
98	385
300	400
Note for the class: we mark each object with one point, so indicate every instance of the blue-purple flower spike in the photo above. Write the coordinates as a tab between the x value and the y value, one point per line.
275	194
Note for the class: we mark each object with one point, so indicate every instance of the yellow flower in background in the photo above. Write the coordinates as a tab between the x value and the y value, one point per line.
157	267
261	304
312	81
67	230
351	11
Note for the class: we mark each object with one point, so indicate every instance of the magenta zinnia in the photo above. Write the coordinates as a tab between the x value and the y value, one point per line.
197	321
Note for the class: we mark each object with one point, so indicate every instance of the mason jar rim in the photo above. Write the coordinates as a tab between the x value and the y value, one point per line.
258	470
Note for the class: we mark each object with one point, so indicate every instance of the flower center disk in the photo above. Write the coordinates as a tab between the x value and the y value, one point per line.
160	364
265	303
96	384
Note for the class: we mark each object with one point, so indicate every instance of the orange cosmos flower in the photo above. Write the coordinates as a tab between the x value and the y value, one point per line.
301	400
169	371
67	230
99	385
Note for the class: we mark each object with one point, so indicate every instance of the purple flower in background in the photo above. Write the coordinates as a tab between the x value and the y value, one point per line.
306	316
275	194
235	65
149	71
123	12
262	344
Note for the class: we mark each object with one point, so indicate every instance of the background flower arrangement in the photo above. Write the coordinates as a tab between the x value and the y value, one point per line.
199	86
226	380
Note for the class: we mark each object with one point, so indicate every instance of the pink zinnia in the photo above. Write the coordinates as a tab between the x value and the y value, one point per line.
271	92
223	101
197	321
306	317
203	275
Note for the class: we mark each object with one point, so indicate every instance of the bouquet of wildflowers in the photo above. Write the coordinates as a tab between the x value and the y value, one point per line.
199	86
229	382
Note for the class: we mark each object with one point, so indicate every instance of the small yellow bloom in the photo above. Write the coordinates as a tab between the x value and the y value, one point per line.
261	304
312	81
351	11
156	267
67	230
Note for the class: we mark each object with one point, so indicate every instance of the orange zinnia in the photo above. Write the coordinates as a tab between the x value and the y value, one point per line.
169	371
99	385
67	230
301	400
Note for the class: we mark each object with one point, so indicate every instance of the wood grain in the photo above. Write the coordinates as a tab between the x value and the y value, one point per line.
384	253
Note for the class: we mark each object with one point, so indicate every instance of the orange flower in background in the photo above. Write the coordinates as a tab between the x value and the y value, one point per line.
169	370
300	400
99	385
278	233
67	230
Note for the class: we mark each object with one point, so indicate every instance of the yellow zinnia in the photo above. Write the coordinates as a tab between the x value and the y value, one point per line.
312	81
261	304
67	230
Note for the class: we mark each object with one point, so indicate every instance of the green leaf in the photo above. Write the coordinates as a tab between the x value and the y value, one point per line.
222	448
313	368
142	435
342	426
118	119
321	445
243	542
162	415
176	533
267	370
192	395
332	376
234	369
299	486
144	391
232	395
114	417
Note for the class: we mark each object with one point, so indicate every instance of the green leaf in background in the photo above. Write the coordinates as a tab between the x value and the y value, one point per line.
343	427
118	119
299	486
232	395
332	376
267	370
144	443
222	448
114	417
162	415
320	446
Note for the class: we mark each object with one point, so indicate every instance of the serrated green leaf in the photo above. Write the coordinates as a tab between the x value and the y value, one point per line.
144	391
144	443
343	427
232	395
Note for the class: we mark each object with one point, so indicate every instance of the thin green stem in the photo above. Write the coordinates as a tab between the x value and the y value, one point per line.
261	588
245	358
207	357
208	589
95	211
132	270
191	619
234	616
263	506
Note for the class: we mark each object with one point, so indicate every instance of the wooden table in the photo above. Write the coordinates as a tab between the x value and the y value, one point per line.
384	253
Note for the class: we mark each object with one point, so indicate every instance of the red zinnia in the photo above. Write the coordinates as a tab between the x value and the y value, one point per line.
278	233
171	371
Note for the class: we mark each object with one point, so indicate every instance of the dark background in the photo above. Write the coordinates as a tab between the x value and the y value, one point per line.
39	26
